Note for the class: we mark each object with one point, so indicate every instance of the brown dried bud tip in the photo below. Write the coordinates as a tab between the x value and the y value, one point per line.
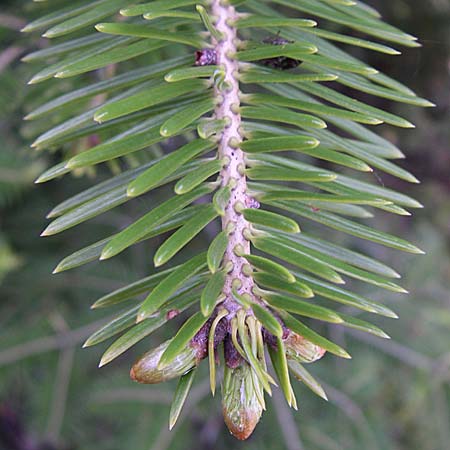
300	349
279	62
241	407
145	370
277	40
205	57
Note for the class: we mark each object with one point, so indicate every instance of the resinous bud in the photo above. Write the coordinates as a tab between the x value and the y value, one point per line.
146	371
241	407
300	349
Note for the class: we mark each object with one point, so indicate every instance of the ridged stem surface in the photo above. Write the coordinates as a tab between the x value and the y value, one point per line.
233	173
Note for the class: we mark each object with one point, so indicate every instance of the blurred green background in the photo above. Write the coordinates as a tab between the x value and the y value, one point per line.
393	395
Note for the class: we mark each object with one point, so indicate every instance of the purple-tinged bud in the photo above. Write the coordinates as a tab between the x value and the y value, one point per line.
232	357
241	407
145	370
206	57
300	349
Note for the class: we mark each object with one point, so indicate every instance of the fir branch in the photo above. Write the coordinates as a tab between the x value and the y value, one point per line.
233	174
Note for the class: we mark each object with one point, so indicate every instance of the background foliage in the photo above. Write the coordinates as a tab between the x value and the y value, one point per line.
392	395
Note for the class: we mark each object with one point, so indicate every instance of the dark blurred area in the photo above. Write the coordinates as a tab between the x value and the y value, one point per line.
393	395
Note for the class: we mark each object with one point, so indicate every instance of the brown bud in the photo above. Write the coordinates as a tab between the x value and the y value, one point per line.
302	350
145	370
280	62
241	407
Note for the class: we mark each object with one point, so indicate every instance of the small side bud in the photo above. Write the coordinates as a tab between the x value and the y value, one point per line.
206	57
300	349
146	371
241	407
